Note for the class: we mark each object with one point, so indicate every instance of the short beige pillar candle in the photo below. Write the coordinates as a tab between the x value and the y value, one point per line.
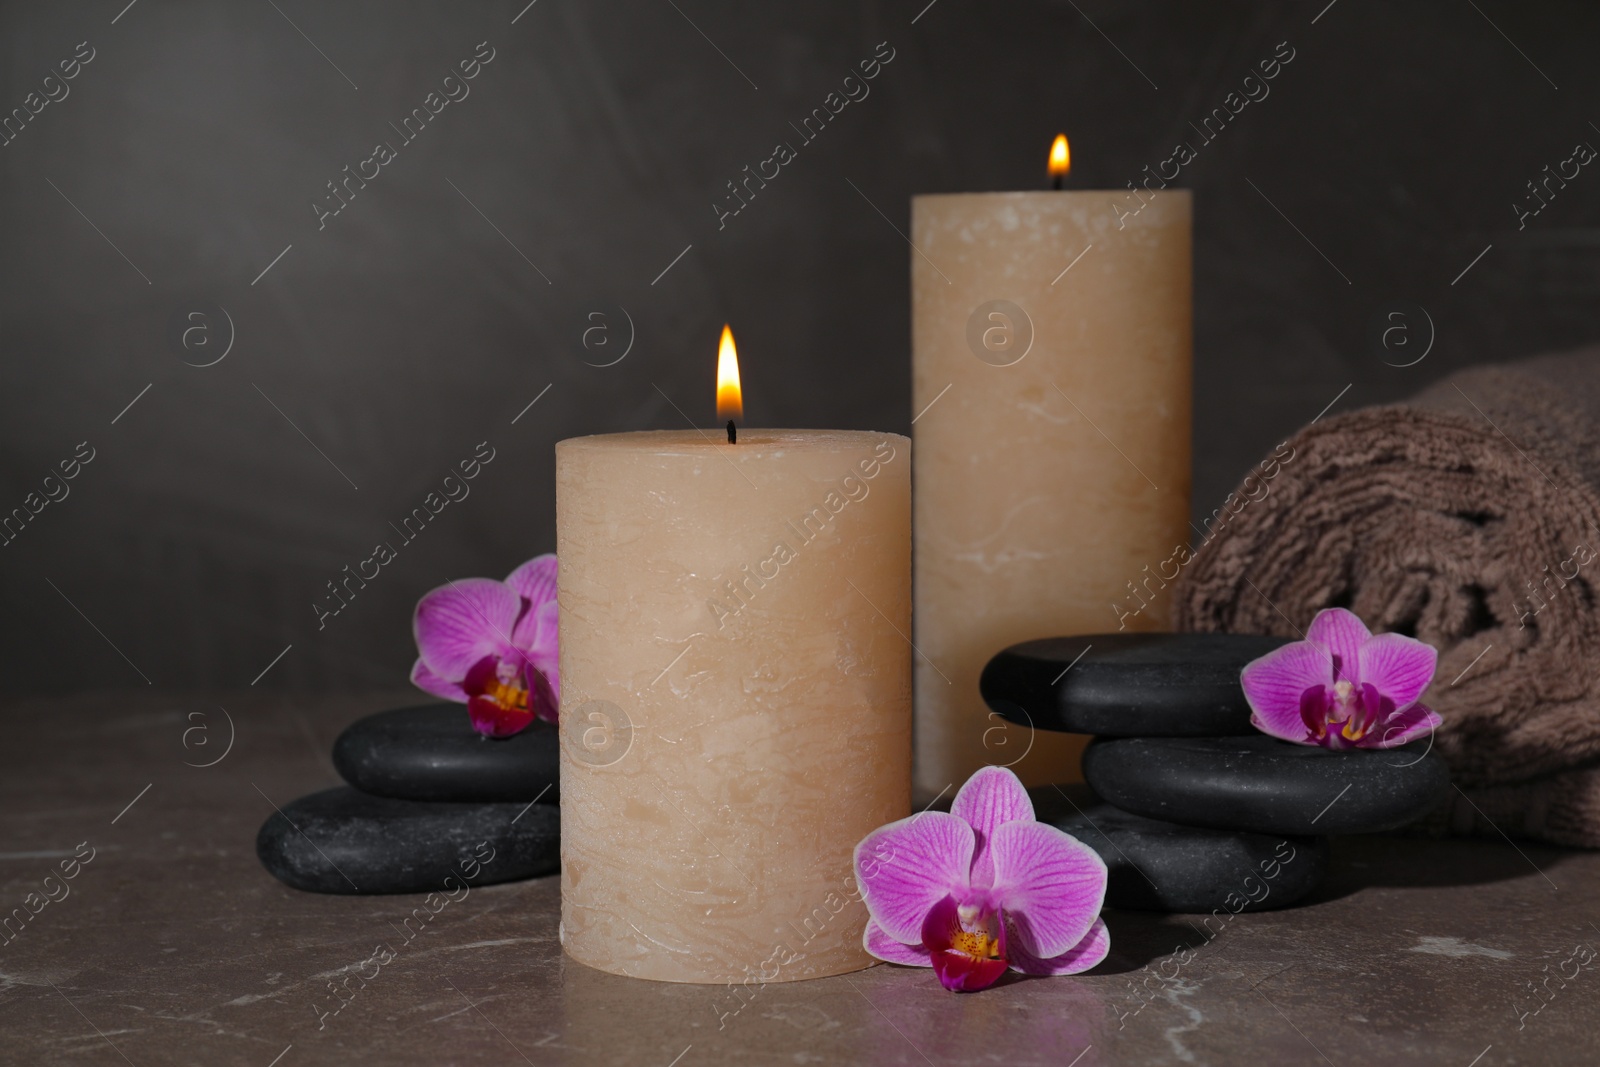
1051	380
735	696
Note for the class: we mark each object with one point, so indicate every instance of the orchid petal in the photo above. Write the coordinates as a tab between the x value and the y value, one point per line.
1374	709
907	867
1400	666
940	925
961	973
425	680
1085	954
1051	885
535	582
1275	684
543	699
480	676
535	638
1334	739
456	625
991	798
886	948
492	720
1404	726
1341	634
1313	712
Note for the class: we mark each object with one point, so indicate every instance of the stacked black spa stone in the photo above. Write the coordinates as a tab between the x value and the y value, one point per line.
428	800
1192	808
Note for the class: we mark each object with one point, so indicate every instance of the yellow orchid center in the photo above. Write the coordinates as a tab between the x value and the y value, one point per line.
509	697
1348	702
978	945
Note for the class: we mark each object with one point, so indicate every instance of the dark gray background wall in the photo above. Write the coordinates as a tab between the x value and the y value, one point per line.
456	287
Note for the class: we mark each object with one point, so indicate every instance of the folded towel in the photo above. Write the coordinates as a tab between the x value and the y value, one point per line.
1466	517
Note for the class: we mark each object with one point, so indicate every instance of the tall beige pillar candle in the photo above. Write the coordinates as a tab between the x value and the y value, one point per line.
735	696
1051	390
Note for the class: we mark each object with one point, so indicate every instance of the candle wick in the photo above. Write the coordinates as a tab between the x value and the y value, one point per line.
1056	180
733	433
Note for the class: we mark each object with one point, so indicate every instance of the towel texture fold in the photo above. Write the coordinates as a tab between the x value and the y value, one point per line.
1466	517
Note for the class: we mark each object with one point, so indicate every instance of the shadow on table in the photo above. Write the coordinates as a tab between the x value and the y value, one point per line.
1139	938
1381	860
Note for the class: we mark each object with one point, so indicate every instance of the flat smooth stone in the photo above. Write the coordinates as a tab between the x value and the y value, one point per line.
1265	785
342	840
1126	684
1161	866
433	753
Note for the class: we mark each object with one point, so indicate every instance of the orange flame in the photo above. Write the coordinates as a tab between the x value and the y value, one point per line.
730	399
1060	157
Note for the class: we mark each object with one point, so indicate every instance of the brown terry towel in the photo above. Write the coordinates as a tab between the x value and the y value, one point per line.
1466	517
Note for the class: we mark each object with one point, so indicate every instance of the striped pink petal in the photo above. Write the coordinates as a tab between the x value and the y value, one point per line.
886	948
1416	721
1049	883
907	867
1341	634
536	639
425	680
991	798
535	583
457	625
1276	684
1085	954
1400	667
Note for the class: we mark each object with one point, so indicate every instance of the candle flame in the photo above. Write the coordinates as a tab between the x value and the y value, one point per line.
730	399
1060	157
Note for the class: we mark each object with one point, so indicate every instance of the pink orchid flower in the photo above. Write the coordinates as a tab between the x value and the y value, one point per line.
982	889
492	646
1343	686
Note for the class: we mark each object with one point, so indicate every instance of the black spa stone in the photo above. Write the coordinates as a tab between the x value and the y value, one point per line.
1127	685
433	753
344	841
1161	866
1264	785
